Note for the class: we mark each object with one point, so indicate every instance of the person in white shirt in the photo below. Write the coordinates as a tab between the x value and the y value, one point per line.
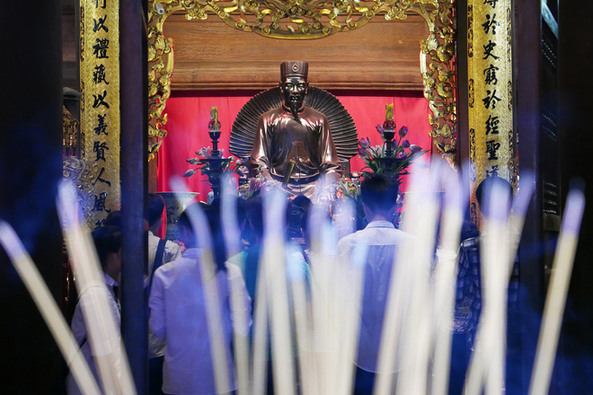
108	240
155	205
379	196
160	251
178	313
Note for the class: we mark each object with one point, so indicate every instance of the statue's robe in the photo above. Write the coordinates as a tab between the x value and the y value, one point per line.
294	152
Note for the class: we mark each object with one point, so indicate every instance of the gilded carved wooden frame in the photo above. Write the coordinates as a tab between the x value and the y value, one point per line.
305	19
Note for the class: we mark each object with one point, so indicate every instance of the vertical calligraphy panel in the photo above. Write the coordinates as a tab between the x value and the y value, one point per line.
490	106
99	113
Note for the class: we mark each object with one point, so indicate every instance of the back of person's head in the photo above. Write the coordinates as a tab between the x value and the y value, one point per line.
296	215
378	193
485	188
155	204
185	226
212	213
107	239
113	219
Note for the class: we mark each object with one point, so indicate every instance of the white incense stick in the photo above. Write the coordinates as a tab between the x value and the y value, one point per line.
557	290
396	308
49	310
404	274
240	340
102	331
323	313
512	231
332	330
259	358
319	279
238	305
487	362
445	279
496	302
416	330
208	273
302	315
337	330
275	277
349	282
521	201
228	215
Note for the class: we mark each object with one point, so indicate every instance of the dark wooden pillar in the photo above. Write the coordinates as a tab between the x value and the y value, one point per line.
133	187
30	167
574	361
461	69
534	85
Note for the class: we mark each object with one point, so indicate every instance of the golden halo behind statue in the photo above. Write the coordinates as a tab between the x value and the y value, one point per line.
342	127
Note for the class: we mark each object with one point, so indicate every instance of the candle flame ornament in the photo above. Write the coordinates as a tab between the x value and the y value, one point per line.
389	124
214	124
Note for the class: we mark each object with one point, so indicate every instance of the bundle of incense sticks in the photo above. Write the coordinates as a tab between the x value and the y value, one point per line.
311	324
499	240
49	309
557	290
103	334
207	272
443	301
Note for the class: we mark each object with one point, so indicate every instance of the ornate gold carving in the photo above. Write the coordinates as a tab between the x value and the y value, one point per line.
470	31
513	161
74	168
470	93
306	19
510	95
509	35
438	73
71	127
82	174
160	68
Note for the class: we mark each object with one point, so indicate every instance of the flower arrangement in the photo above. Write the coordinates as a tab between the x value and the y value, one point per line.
252	187
241	168
248	186
346	188
378	162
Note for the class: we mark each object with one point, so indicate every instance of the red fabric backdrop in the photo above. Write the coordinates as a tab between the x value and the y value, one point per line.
188	118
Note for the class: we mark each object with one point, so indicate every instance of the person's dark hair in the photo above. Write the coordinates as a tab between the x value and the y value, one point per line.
155	204
183	220
113	219
219	250
297	212
107	239
484	191
212	213
378	193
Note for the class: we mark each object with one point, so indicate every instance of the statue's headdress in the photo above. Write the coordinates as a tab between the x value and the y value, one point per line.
294	69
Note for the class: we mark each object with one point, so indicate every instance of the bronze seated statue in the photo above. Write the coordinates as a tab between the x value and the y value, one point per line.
294	134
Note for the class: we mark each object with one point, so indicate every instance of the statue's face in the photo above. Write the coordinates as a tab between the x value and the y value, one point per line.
294	90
